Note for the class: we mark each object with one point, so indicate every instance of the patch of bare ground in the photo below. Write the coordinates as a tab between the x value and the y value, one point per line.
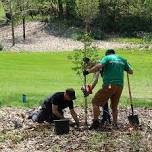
41	37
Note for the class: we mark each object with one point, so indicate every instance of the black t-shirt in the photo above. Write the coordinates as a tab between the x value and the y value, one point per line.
57	99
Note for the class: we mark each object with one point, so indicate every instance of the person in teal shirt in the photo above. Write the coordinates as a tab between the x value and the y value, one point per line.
113	81
105	117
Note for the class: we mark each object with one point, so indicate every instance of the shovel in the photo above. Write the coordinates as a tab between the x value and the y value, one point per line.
133	119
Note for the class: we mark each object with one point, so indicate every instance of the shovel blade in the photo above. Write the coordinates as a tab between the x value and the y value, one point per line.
133	119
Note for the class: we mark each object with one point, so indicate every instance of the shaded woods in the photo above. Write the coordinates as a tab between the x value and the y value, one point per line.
118	16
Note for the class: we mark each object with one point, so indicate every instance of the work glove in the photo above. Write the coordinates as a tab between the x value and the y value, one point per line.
85	72
87	90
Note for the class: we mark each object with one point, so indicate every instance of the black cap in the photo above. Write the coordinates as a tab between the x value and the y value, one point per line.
110	51
71	93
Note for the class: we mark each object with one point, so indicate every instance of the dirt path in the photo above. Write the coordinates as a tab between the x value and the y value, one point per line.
42	38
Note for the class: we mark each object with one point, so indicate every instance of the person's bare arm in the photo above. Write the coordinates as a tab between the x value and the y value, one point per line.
96	68
56	112
74	116
95	79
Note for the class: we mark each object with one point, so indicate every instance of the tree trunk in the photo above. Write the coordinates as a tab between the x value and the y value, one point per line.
60	5
12	24
86	27
102	14
13	35
70	8
24	27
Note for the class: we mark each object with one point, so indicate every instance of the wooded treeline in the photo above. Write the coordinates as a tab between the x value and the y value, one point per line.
118	16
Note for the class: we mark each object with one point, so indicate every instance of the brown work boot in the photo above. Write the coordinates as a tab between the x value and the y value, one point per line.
94	125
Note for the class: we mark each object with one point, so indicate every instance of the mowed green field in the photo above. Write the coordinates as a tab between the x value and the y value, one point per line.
40	74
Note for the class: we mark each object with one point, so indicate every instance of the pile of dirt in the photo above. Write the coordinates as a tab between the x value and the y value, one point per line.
17	133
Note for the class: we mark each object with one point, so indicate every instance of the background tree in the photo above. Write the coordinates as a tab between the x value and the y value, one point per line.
6	6
60	6
12	21
70	8
22	8
125	17
87	10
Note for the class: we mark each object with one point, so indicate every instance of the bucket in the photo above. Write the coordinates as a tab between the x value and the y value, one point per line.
61	126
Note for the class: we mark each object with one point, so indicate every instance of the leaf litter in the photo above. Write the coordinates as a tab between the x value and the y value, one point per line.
17	133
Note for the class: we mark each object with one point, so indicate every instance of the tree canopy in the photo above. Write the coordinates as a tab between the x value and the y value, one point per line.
123	16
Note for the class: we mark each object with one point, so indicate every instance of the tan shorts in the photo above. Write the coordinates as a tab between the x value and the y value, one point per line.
112	92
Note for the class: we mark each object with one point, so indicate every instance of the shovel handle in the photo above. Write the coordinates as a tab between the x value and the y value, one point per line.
132	109
130	96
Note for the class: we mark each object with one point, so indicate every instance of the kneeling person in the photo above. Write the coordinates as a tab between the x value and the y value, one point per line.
52	107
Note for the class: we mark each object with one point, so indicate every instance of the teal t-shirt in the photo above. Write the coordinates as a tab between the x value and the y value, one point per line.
114	67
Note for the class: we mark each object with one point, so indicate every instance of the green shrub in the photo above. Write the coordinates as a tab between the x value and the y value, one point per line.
148	37
132	24
3	21
98	35
77	35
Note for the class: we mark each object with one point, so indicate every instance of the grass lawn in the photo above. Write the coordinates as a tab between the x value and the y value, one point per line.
130	40
39	74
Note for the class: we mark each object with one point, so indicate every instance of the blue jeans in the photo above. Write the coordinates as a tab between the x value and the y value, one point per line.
44	115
